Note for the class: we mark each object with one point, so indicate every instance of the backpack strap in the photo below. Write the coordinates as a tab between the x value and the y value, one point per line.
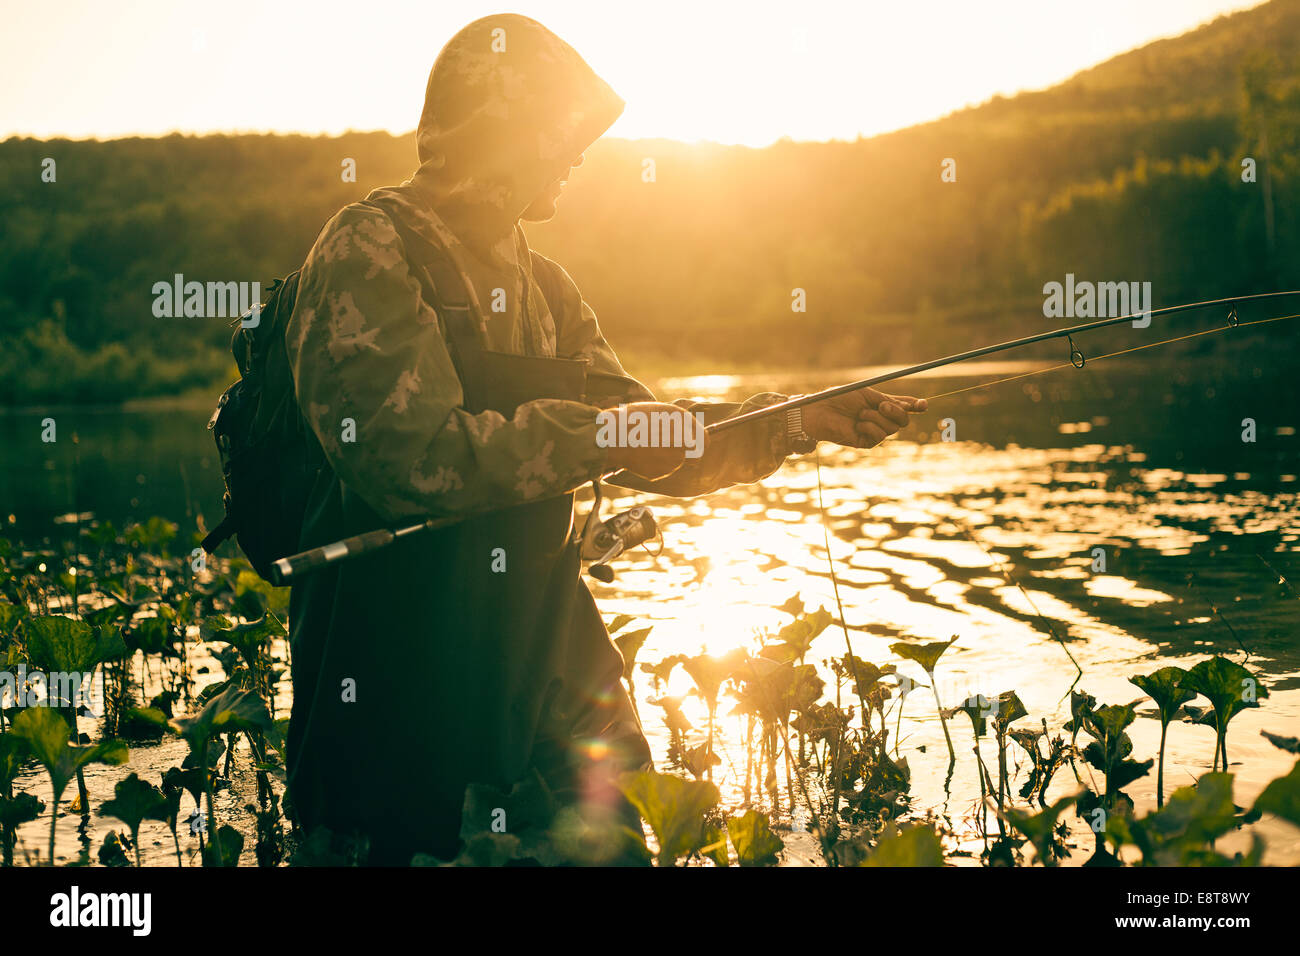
442	284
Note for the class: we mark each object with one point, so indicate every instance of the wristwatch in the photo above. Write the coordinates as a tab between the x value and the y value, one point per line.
797	439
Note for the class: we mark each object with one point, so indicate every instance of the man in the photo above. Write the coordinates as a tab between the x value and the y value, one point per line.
476	654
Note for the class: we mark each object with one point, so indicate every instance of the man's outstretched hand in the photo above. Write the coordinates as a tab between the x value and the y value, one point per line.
861	419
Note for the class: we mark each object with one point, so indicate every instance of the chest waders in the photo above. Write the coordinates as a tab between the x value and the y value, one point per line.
472	654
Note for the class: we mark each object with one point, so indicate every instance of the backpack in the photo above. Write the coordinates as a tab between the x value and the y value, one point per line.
269	456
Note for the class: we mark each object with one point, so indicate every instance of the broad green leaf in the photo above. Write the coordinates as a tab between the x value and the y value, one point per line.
661	671
673	807
620	622
23	808
1108	722
1289	744
10	615
1190	820
978	708
914	846
673	716
1040	828
230	842
714	845
13	750
755	843
1164	687
134	801
629	645
1028	740
46	733
799	634
708	672
1282	797
927	655
1229	687
231	710
61	644
1008	708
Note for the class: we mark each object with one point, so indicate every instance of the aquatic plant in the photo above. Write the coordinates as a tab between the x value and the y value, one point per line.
675	810
708	673
1183	832
927	655
1045	829
1005	710
629	644
915	845
977	707
134	801
45	734
18	809
1230	689
1044	765
755	843
1165	687
229	711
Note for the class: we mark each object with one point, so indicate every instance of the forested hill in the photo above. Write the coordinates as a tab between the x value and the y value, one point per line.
1129	171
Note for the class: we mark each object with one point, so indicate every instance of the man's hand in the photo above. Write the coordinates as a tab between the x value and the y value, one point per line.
861	419
677	431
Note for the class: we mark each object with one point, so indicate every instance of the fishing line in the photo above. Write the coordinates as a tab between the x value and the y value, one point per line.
1281	578
830	562
1136	348
1013	580
1234	323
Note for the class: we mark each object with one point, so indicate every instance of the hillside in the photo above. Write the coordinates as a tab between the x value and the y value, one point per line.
1127	171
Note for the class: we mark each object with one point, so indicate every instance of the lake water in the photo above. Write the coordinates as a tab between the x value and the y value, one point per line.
988	537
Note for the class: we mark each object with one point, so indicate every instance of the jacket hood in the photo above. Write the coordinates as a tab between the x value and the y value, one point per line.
508	108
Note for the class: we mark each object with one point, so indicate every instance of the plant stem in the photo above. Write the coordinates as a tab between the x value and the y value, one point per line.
1160	769
54	819
708	760
952	754
212	819
984	812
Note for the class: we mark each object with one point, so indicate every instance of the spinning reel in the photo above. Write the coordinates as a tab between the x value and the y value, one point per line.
603	541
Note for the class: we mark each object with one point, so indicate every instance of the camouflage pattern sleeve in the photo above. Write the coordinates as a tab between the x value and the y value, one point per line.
746	454
376	384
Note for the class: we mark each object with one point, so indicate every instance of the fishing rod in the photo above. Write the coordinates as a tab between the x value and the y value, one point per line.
1077	358
604	541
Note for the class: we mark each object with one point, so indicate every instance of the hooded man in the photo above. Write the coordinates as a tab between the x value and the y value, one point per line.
475	654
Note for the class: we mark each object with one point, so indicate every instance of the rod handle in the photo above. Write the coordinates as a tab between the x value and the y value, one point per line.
284	570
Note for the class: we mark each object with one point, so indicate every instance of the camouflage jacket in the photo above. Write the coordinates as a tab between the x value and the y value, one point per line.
376	383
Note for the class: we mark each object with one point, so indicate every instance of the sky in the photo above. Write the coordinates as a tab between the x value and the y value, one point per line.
728	72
